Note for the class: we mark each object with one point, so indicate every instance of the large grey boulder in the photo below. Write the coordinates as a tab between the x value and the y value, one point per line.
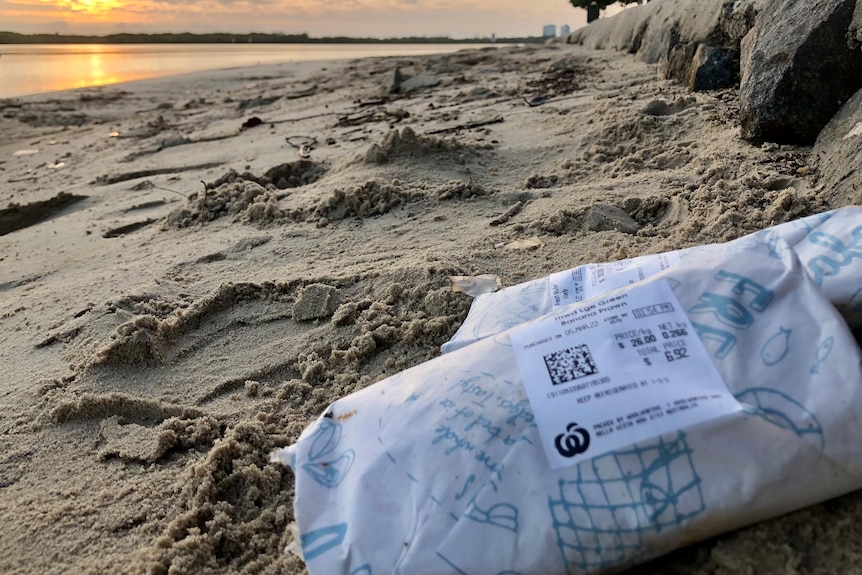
713	68
838	155
693	41
797	70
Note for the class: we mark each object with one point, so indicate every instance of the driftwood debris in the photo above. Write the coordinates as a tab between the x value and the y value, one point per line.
467	126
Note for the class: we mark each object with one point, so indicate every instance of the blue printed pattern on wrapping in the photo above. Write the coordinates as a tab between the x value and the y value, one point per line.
782	410
775	349
326	465
502	515
824	350
601	518
316	543
842	254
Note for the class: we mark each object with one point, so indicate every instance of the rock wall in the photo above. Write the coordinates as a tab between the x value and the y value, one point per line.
687	39
796	61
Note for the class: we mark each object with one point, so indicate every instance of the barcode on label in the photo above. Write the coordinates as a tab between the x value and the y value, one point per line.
570	364
578	274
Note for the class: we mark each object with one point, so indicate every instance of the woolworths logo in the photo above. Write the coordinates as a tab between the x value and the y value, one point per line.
574	441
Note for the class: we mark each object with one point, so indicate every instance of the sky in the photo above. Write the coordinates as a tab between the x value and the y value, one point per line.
375	18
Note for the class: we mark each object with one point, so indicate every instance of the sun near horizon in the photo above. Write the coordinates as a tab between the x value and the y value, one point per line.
90	7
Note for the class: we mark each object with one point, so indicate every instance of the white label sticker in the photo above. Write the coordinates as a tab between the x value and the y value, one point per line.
616	371
588	281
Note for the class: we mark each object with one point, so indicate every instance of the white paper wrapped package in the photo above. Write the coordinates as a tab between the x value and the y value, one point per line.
442	468
829	246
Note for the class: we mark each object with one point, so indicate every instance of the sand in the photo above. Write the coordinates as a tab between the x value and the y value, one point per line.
191	268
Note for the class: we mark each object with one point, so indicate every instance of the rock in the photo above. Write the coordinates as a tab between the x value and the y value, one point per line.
679	60
605	217
838	155
713	68
397	113
738	18
662	108
657	108
252	122
418	82
315	301
797	70
855	33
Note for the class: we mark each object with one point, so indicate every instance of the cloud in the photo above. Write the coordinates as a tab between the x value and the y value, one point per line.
382	18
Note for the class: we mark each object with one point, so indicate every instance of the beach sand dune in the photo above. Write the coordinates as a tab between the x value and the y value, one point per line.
192	268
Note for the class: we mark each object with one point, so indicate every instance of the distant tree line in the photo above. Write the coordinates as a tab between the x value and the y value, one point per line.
255	38
593	7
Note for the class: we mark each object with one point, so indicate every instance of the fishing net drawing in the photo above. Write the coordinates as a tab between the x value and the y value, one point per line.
604	516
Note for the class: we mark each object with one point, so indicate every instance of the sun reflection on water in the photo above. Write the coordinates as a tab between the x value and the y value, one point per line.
40	68
94	74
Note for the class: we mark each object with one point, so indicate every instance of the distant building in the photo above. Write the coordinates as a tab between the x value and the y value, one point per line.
549	31
564	30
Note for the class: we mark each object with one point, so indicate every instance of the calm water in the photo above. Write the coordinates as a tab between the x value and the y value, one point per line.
38	68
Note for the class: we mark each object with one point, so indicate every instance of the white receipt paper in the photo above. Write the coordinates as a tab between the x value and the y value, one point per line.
591	280
616	371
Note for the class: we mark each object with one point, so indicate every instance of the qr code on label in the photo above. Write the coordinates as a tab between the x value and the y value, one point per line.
570	364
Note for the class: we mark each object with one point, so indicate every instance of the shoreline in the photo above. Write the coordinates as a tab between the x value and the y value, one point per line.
159	347
14	38
61	68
